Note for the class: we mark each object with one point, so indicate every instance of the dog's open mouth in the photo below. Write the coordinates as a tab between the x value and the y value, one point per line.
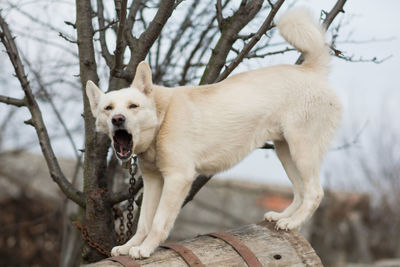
123	144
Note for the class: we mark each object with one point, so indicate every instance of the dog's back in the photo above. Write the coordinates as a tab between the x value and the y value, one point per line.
241	113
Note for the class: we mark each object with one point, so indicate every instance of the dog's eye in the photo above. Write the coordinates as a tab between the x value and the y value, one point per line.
109	107
133	106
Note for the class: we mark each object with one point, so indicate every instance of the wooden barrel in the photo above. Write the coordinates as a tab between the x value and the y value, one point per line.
251	245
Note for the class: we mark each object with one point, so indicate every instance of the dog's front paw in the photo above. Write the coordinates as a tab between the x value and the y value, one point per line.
120	250
140	252
272	216
287	224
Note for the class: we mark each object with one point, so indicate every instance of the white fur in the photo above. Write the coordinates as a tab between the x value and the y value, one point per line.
184	131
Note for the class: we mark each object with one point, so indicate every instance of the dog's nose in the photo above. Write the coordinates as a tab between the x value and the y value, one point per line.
118	120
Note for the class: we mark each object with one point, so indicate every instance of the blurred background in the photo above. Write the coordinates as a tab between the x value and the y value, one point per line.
358	222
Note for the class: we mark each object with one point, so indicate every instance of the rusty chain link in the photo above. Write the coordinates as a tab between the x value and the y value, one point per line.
88	241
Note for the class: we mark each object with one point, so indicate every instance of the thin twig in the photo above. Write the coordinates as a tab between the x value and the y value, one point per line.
103	44
37	119
367	41
246	49
361	59
255	55
201	41
355	140
103	28
46	94
67	38
46	42
69	23
37	20
185	25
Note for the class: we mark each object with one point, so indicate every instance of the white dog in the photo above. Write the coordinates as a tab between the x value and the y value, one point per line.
181	132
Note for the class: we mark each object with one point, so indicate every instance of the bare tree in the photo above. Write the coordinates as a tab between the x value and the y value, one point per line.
205	43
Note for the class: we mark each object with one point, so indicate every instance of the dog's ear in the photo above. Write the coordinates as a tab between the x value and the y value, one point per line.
94	94
143	80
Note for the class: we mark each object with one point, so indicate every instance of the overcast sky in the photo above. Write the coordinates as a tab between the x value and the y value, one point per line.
370	92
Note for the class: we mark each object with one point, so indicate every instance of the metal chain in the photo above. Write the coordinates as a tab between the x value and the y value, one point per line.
123	235
133	168
91	243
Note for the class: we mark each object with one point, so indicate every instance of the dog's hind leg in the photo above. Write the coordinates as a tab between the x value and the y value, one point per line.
283	153
152	187
175	189
307	155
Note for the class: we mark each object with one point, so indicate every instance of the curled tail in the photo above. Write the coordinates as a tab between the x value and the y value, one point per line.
306	35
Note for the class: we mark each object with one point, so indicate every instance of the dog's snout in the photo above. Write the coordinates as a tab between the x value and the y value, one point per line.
118	120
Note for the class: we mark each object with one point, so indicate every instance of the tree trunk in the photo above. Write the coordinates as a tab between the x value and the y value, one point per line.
98	213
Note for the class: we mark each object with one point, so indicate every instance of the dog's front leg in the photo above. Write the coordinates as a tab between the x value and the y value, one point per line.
175	189
152	186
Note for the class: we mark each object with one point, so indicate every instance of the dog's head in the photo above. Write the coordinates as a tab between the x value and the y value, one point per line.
125	114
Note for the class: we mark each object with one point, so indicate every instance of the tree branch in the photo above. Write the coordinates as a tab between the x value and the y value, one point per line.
230	28
67	38
105	27
120	6
352	58
12	101
42	88
46	42
103	44
253	55
132	14
140	48
246	49
186	23
267	146
37	120
220	18
200	181
201	40
338	7
122	196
